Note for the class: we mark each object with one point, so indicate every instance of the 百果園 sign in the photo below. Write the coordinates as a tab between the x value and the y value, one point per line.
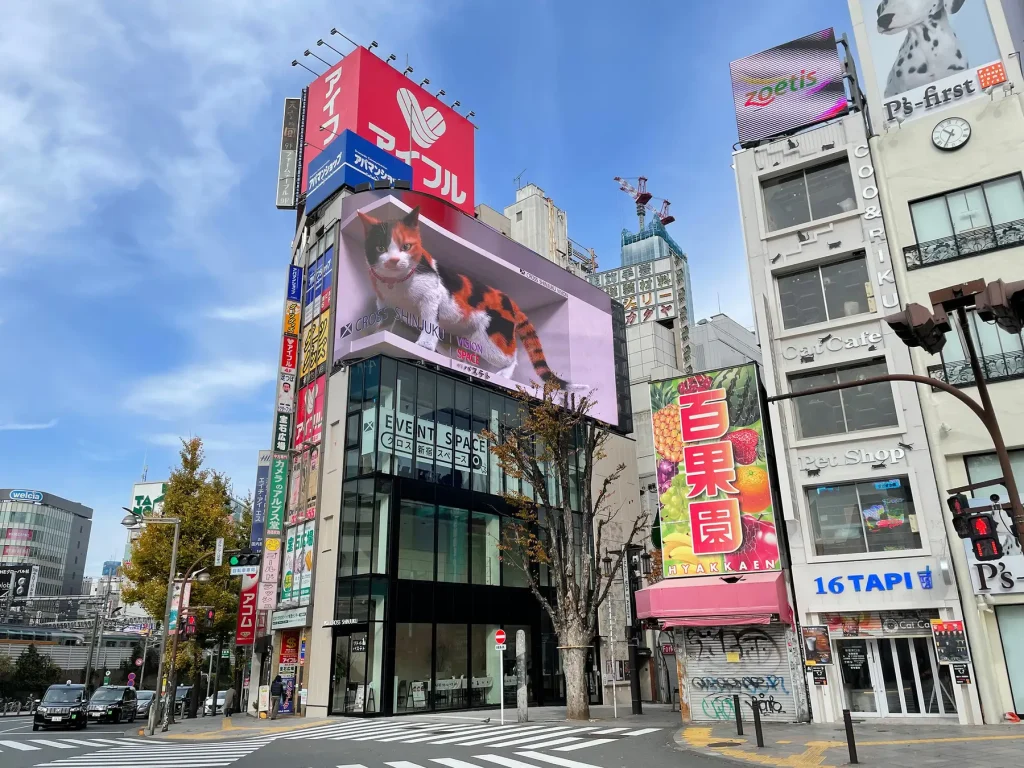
347	161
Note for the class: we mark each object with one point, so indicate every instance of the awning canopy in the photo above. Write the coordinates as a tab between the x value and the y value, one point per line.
741	598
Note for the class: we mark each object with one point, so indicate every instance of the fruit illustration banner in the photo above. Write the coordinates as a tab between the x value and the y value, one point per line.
714	487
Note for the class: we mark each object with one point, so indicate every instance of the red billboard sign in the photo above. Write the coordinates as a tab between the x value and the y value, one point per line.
245	629
310	418
19	534
289	354
364	94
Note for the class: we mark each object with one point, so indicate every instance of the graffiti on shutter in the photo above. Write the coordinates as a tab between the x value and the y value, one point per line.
750	661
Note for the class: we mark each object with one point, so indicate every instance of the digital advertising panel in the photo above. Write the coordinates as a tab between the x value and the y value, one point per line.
288	160
350	160
364	94
928	56
787	87
424	280
714	482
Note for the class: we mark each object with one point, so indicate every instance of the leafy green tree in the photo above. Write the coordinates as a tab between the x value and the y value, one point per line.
200	498
34	672
6	676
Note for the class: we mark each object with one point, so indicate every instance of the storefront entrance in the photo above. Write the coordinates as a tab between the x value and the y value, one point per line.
894	676
355	684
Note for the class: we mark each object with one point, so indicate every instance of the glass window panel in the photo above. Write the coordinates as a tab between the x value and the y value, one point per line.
414	659
869	406
890	521
820	414
338	693
381	516
351	463
931	219
785	201
485	536
355	387
801	299
426	429
352	431
364	527
495	415
463	435
512	573
405	420
388	398
371	380
444	454
830	188
511	421
416	541
1005	200
343	600
481	454
361	599
452	545
450	687
889	682
378	599
846	288
346	544
835	519
374	666
953	351
485	666
968	210
986	337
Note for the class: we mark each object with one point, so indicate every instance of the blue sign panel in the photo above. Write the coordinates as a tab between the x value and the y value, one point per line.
259	504
351	160
294	283
25	496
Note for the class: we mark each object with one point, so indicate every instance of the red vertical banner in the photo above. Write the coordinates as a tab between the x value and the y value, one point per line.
245	629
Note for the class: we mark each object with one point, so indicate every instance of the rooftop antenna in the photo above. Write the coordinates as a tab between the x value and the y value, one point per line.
519	179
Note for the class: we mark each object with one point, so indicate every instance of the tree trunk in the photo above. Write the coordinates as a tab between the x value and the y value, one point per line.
575	644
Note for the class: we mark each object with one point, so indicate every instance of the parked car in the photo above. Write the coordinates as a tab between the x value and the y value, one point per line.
208	707
62	705
113	703
143	701
181	695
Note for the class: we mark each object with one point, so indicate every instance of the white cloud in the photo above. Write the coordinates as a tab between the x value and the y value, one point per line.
15	427
267	309
196	387
218	438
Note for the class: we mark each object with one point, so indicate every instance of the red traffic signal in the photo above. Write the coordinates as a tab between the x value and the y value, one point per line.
918	327
984	539
958	506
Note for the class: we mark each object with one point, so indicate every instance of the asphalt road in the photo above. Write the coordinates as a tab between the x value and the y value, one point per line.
392	743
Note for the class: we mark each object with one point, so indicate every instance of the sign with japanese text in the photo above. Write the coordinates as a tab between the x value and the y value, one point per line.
366	95
277	496
350	160
286	392
270	563
304	569
282	431
314	348
292	317
950	642
310	417
245	628
259	502
294	283
289	355
266	597
288	160
714	482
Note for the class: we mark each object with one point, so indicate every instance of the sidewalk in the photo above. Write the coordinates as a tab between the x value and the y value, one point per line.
884	742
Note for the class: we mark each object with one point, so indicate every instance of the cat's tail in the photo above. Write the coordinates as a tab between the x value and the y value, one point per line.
535	350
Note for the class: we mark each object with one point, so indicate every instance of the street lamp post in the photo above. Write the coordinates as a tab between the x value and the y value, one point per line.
633	560
172	692
133	521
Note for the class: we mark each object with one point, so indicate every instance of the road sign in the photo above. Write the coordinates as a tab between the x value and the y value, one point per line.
218	557
244	570
225	653
131	678
499	637
138	663
500	646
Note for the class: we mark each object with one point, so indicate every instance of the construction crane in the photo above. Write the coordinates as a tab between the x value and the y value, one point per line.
643	199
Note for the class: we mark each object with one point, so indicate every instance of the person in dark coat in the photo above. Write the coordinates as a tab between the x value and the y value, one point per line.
276	691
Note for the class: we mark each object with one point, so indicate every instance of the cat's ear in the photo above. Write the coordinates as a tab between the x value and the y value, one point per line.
368	221
412	218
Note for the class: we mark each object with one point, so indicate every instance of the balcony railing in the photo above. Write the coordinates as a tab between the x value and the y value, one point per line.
963	244
1001	367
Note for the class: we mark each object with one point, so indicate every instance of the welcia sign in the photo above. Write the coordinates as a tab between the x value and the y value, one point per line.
25	496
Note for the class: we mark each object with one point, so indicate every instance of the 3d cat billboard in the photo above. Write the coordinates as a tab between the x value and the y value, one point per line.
423	279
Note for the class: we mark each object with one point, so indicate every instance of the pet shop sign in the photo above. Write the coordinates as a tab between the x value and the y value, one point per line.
853	456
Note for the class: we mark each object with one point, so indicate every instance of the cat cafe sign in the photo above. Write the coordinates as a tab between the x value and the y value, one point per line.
833	343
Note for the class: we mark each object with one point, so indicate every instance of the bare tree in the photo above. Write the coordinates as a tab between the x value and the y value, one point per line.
553	445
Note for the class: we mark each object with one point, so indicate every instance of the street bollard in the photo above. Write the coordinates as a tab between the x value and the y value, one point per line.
757	722
739	714
850	741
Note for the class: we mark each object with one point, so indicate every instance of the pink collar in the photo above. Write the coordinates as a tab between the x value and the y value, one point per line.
390	282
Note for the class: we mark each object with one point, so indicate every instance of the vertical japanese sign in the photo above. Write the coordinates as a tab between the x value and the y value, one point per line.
306	568
288	160
714	481
245	628
310	417
288	661
277	500
289	567
259	503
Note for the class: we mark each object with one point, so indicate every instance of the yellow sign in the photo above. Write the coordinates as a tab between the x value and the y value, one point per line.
733	657
272	545
314	345
292	317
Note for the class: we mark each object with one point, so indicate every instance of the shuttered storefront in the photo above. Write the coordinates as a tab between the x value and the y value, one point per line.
751	660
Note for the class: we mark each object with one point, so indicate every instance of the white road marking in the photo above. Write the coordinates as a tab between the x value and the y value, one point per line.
583	745
609	730
19	746
540	732
551	759
451	762
641	732
48	743
551	743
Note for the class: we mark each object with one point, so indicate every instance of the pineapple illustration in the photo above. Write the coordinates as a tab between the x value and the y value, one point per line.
668	431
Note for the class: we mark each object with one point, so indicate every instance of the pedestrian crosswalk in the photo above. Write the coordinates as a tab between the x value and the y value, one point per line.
529	736
33	745
138	753
528	760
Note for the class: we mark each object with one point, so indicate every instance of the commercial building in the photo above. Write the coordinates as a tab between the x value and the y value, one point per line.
536	222
947	152
869	559
721	342
45	536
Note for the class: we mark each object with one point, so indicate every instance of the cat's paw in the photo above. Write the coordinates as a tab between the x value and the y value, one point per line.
427	342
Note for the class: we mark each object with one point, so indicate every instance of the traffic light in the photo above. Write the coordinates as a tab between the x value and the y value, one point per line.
190	624
245	556
1002	303
917	327
961	515
984	539
209	618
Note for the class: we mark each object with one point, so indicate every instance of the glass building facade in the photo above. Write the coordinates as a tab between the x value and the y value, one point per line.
423	583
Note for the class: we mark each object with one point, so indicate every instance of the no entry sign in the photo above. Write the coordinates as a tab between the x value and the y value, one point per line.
499	637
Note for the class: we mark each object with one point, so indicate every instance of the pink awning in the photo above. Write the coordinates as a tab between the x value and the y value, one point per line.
749	598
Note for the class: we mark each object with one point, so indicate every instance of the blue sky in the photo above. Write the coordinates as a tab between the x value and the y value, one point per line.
142	260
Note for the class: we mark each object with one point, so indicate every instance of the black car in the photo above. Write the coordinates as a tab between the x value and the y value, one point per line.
63	706
144	700
114	703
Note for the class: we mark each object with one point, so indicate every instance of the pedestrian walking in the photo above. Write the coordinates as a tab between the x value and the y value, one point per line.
276	690
229	701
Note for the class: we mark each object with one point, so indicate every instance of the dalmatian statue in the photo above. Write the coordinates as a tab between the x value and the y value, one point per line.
930	50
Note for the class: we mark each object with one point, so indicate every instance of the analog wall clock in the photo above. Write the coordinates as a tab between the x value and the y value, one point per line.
951	133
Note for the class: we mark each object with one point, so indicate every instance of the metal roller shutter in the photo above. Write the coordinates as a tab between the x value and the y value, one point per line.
749	660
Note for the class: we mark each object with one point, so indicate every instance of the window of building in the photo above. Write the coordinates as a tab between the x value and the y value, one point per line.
827	292
869	406
452	545
416	541
519	215
985	466
967	221
1000	353
512	573
808	195
450	691
485	538
414	660
868	516
485	666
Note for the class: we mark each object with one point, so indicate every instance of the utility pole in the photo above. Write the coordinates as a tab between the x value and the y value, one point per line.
216	679
92	645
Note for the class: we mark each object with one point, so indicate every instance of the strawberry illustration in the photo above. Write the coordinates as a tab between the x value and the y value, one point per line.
744	445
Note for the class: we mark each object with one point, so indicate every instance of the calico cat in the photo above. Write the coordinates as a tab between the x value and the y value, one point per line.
406	277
